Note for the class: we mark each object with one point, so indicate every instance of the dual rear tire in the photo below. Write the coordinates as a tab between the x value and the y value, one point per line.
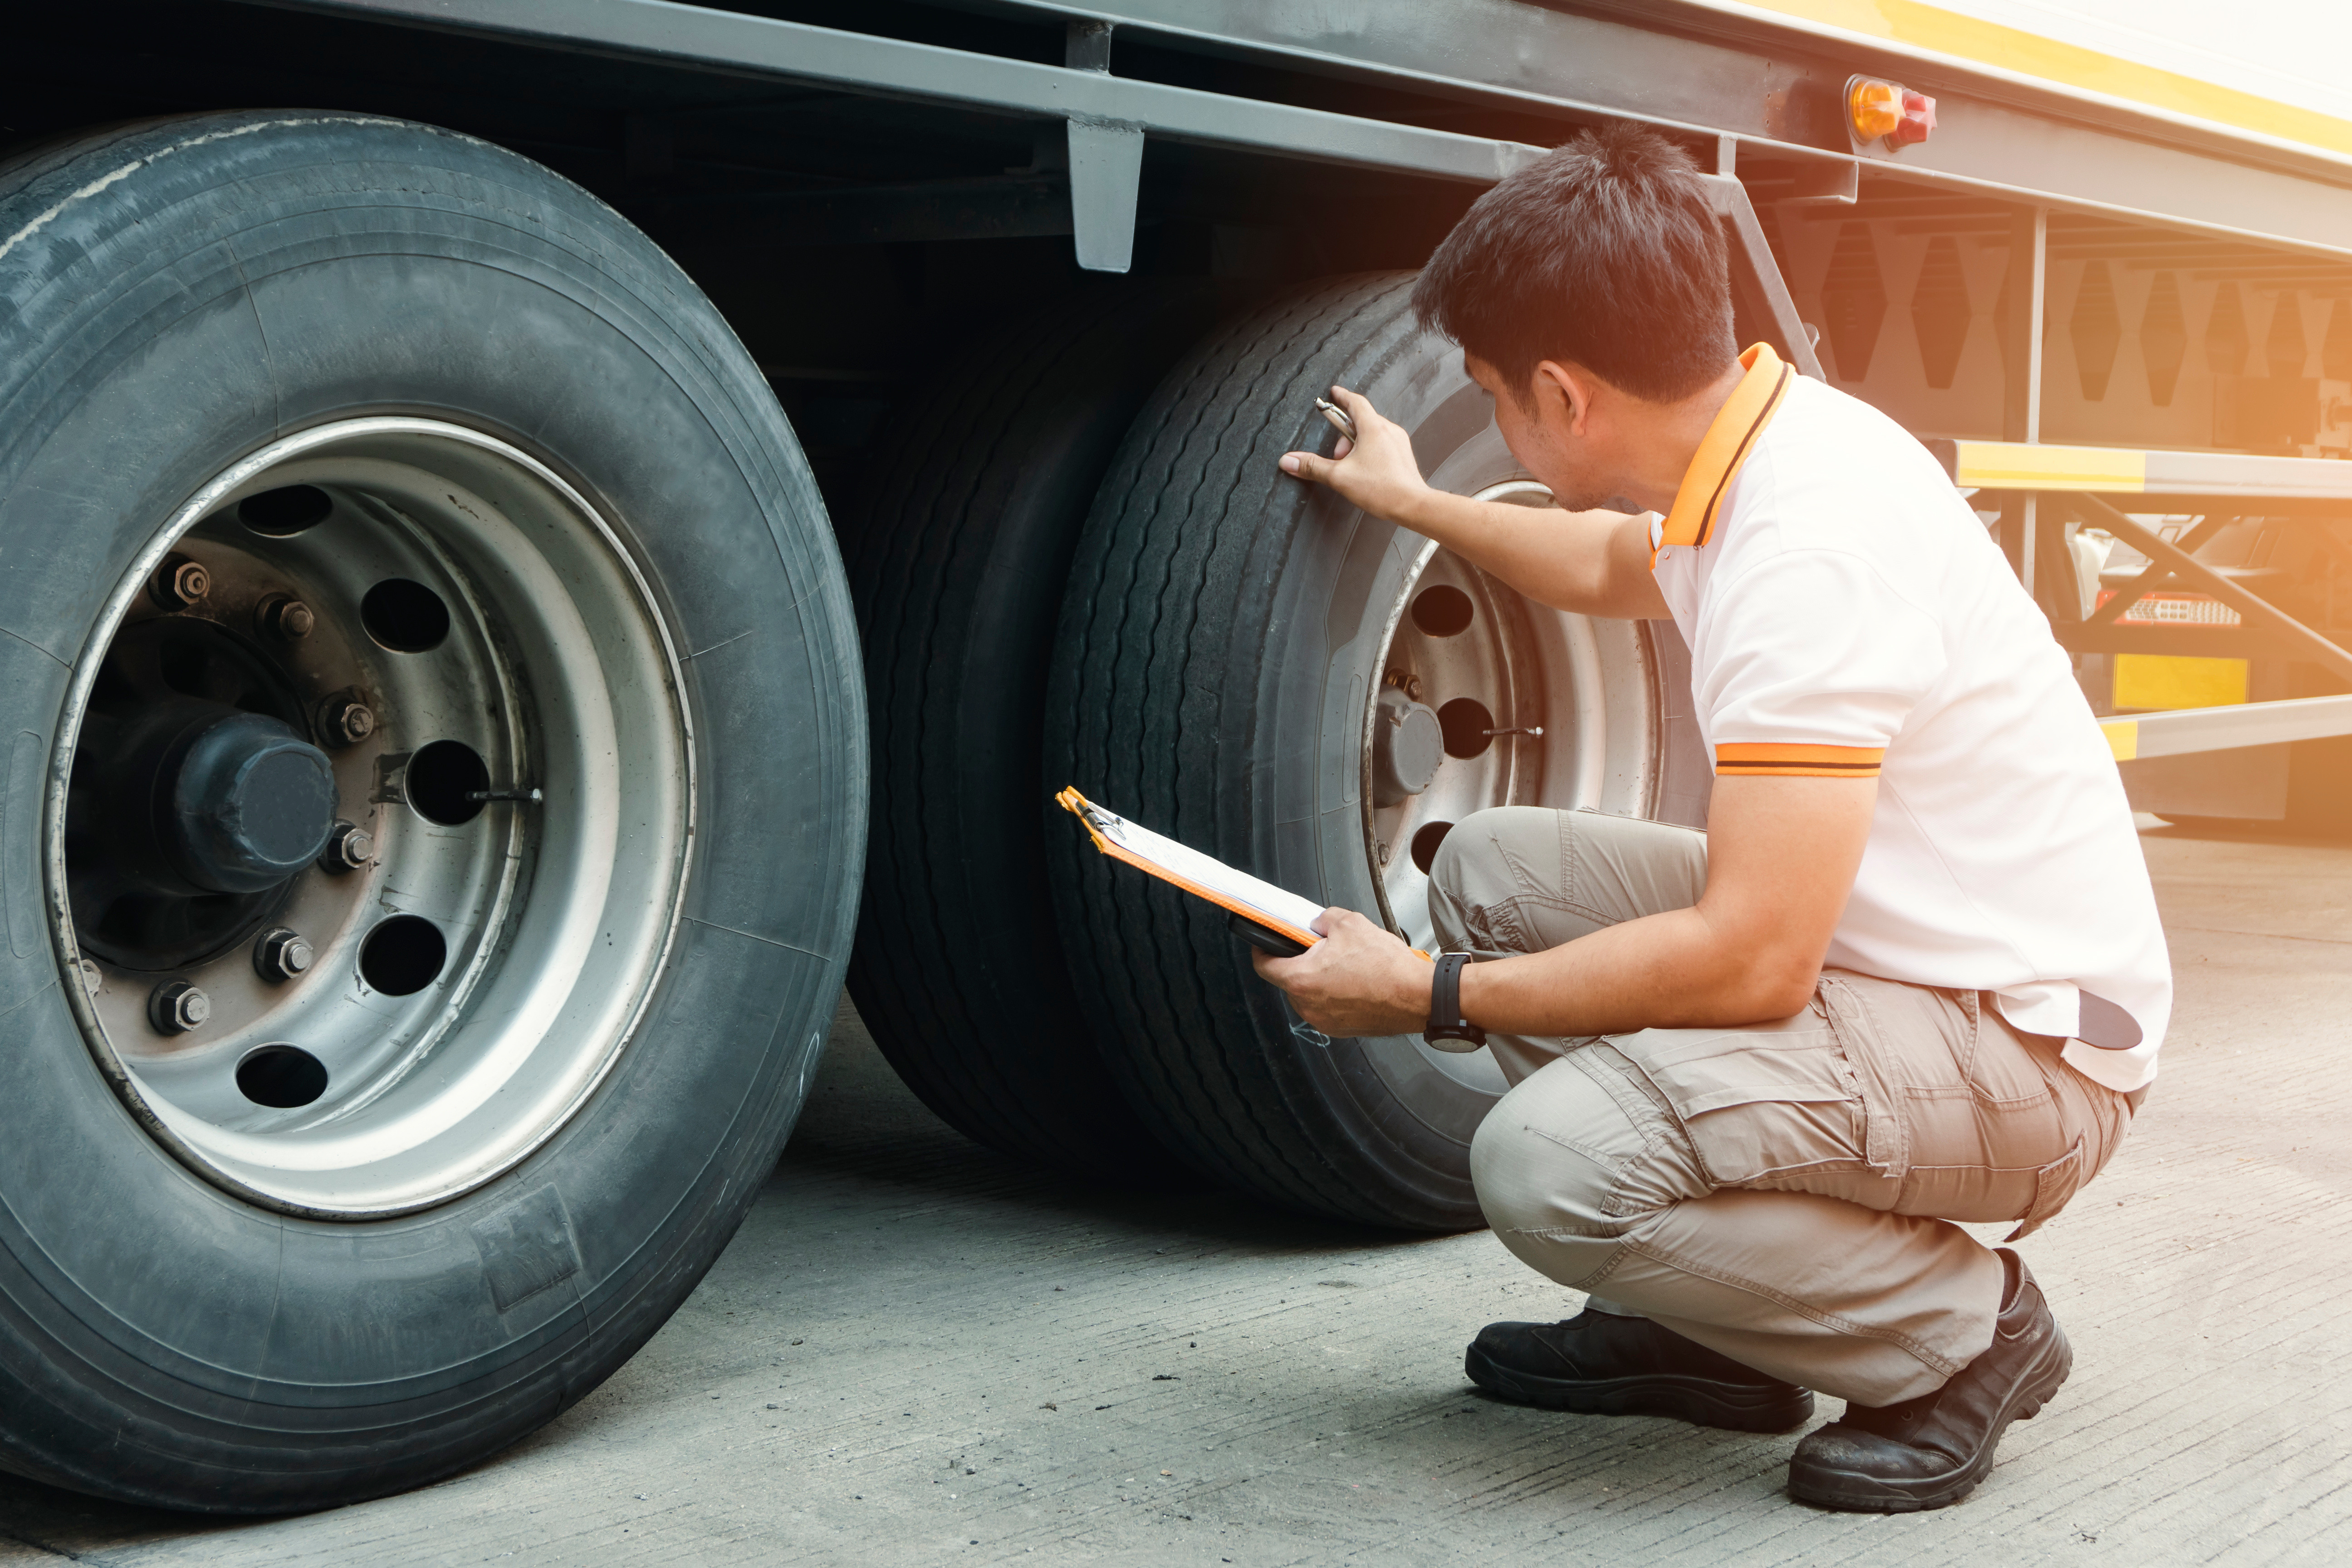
1230	648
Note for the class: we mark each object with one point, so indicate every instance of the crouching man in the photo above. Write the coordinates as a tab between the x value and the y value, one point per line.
1911	974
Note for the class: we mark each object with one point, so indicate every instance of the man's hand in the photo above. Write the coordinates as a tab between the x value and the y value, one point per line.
1358	981
1377	472
1589	562
1782	856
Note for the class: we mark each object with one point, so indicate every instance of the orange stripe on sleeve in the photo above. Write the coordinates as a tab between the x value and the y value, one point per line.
1774	759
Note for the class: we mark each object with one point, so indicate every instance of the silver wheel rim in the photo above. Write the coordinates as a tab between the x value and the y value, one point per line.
1587	684
553	689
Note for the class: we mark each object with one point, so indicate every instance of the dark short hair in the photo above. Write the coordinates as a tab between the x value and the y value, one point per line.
1606	253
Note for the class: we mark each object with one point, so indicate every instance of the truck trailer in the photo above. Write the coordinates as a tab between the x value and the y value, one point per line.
539	538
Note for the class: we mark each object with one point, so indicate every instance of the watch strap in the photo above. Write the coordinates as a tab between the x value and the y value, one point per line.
1448	1030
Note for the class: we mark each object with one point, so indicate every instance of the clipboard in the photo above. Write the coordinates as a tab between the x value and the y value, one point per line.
1264	916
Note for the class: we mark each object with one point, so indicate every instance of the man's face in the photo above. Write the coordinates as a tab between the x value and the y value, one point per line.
1539	424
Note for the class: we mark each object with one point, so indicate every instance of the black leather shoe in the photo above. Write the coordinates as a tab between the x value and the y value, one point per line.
1598	1364
1933	1450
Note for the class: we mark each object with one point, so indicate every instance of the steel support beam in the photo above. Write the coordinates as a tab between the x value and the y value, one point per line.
763	47
1105	163
1774	83
2156	575
1756	275
1106	181
1770	83
2308	644
2189	730
2029	297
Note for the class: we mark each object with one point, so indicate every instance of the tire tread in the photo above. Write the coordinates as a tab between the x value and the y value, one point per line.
1166	610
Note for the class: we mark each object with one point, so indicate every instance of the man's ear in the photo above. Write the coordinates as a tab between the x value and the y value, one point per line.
1564	396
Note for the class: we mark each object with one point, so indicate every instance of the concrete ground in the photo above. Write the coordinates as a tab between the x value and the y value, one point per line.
916	1352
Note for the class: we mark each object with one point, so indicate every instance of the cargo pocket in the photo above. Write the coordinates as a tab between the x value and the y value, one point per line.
2053	1186
1758	1103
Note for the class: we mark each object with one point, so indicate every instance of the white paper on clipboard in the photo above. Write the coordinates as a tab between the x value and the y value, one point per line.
1202	875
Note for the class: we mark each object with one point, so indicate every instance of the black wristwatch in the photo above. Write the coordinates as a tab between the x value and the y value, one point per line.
1448	1029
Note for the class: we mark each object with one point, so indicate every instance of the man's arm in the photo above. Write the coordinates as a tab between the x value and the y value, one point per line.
1587	563
1781	858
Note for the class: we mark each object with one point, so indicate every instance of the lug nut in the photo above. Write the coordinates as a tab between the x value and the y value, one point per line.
281	954
179	582
175	1007
1401	680
348	847
345	720
285	617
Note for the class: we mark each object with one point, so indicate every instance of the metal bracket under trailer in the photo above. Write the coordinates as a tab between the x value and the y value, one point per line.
2082	481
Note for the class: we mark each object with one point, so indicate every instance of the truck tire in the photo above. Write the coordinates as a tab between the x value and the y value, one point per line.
432	803
957	566
1235	645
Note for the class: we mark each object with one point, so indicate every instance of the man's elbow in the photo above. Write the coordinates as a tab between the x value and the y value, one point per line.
1780	987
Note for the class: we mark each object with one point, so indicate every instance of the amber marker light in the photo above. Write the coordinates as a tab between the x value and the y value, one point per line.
1886	110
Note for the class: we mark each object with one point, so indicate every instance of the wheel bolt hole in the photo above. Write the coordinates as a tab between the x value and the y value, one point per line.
1425	840
285	511
403	955
281	1077
1443	611
405	616
442	777
1466	722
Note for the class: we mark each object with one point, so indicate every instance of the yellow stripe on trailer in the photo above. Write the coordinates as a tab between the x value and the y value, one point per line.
2016	466
1916	25
2122	737
2121	471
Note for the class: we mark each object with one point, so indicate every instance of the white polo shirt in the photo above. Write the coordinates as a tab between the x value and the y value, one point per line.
1848	615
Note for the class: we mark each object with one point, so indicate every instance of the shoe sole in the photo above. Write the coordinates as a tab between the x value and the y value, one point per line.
1702	1401
1852	1492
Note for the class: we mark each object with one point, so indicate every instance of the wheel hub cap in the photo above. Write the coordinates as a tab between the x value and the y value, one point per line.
251	805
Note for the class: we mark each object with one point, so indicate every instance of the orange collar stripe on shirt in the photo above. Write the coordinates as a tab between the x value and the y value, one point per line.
1725	447
1790	760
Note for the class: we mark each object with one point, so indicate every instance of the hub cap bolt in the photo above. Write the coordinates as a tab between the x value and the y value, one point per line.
287	618
348	847
345	720
180	583
281	954
175	1007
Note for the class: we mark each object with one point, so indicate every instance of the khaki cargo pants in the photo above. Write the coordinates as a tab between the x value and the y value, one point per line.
1780	1191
